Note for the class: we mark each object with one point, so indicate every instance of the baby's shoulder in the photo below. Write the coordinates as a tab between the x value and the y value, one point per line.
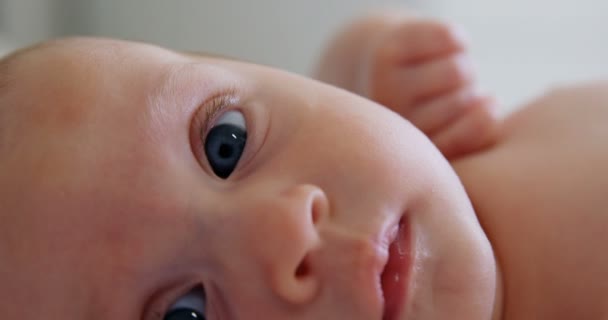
572	113
553	149
541	194
558	142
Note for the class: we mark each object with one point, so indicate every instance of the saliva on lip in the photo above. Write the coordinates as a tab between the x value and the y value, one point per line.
401	249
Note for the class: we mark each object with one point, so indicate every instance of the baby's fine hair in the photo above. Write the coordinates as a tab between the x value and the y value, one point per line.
5	84
4	66
11	59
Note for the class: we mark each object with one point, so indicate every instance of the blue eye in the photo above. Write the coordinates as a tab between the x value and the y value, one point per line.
188	307
225	143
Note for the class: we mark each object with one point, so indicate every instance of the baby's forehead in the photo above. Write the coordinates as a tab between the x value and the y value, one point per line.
16	65
69	57
61	72
64	86
69	86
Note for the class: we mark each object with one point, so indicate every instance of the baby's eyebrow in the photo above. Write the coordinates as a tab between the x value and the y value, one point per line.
172	96
165	92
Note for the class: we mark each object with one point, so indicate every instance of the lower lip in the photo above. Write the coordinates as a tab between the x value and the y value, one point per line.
395	275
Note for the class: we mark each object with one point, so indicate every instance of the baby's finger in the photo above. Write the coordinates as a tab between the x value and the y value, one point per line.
435	115
425	39
402	88
439	76
474	130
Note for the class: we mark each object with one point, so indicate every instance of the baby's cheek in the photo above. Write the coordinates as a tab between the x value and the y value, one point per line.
272	229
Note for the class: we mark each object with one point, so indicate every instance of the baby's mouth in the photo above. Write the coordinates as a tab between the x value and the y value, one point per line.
394	277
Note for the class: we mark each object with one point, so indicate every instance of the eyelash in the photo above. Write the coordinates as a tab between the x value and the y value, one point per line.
206	117
161	305
213	109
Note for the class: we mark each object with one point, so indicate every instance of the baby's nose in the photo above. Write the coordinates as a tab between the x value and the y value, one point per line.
284	236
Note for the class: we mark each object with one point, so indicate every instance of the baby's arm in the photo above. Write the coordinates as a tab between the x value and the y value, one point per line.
420	69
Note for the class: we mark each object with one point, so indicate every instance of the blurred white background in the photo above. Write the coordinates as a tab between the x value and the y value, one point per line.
521	47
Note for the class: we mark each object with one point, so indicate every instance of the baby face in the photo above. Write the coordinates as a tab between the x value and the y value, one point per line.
140	183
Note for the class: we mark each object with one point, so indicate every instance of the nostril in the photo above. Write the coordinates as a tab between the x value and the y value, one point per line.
303	270
316	215
298	287
303	211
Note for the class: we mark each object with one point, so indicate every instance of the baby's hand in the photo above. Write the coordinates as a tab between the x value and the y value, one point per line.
420	69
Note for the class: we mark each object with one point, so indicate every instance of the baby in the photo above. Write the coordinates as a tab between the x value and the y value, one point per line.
142	183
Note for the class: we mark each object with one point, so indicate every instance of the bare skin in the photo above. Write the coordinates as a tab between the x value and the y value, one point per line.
111	210
536	179
115	208
540	193
419	68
